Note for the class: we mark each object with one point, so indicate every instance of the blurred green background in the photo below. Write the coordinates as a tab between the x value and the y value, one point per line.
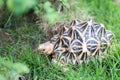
21	30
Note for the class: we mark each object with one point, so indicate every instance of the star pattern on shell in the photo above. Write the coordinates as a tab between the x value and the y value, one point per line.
79	40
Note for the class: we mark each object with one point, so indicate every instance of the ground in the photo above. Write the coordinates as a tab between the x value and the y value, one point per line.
17	44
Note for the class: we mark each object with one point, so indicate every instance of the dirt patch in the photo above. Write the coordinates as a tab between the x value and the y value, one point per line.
5	37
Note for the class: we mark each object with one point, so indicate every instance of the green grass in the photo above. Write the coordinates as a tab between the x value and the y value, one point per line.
18	47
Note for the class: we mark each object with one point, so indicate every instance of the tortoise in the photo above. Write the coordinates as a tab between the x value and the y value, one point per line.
77	42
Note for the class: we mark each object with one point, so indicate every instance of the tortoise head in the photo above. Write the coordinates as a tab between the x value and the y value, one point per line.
46	48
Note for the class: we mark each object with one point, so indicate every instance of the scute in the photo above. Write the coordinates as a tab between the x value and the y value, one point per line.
92	46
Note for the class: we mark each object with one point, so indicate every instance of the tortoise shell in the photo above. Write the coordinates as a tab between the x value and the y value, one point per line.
79	40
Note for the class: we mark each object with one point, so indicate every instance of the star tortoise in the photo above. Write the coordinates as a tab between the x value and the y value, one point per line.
77	42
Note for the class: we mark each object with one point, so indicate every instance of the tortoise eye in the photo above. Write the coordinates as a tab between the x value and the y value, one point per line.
43	50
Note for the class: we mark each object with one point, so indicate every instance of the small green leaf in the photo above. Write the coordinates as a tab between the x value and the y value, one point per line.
2	77
51	14
20	68
20	6
1	3
65	2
